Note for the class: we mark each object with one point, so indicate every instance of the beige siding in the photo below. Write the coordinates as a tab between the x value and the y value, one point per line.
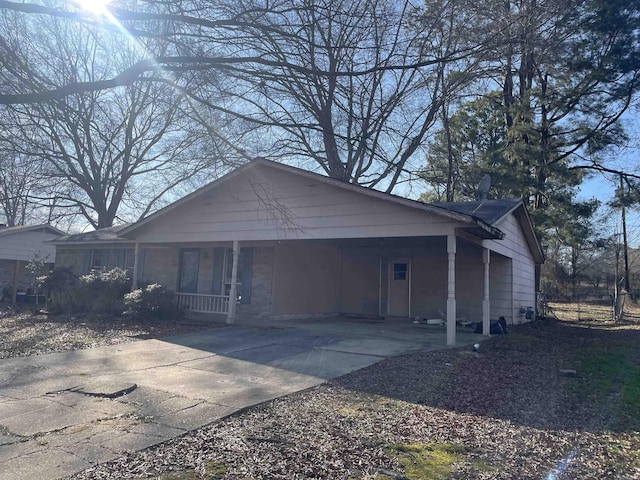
500	291
428	283
306	278
360	281
514	246
469	281
26	246
266	204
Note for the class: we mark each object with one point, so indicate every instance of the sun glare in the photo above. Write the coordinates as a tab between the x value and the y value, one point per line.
97	7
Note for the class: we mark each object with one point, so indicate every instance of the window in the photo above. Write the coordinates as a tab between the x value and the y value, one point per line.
129	261
102	259
189	263
399	271
98	260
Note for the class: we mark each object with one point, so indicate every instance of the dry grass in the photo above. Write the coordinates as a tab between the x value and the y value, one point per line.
595	314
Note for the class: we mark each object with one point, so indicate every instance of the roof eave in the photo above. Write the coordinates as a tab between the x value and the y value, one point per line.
90	241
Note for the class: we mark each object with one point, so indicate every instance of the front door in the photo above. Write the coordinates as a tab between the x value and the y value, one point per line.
399	287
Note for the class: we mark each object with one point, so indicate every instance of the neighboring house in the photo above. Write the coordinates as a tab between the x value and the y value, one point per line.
18	246
311	245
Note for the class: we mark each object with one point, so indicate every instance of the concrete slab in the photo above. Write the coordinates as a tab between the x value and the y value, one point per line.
194	416
107	389
373	346
18	450
49	429
52	418
43	464
325	363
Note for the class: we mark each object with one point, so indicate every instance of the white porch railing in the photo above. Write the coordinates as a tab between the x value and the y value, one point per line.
196	302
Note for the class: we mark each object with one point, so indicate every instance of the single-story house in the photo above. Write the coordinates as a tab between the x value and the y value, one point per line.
19	246
283	241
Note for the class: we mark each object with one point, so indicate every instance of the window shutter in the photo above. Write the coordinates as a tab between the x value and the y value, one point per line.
218	263
141	255
246	275
86	262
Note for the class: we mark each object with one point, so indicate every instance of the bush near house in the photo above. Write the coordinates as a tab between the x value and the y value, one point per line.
152	302
103	292
60	286
107	292
97	292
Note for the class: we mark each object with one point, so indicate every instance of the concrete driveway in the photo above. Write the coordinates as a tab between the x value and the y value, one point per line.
64	412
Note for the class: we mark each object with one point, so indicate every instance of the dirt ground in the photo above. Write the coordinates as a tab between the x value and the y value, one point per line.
556	399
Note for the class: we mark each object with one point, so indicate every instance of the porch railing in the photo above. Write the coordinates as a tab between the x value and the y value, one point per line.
201	303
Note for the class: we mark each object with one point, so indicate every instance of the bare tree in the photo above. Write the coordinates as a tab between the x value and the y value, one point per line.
119	151
19	181
361	127
353	87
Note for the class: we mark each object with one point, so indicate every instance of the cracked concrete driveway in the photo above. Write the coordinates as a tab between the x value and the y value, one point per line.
61	413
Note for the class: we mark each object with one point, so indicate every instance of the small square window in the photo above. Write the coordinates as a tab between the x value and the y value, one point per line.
399	271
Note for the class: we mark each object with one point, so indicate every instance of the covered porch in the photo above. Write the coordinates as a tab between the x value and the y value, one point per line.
397	279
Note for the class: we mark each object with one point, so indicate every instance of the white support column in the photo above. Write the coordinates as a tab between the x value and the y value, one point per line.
136	257
233	292
486	305
451	291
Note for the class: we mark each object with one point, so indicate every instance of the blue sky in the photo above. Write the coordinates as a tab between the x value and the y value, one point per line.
603	188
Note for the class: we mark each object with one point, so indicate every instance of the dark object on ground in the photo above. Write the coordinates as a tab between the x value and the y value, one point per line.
497	327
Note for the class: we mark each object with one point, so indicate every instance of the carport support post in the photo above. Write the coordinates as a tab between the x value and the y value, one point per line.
486	305
451	291
233	291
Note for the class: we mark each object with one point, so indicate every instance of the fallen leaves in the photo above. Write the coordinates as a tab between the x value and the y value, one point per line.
27	333
509	412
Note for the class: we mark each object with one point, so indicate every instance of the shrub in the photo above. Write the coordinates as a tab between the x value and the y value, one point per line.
102	292
152	302
60	287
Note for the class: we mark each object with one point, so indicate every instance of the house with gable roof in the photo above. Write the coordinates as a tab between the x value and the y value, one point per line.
270	240
18	246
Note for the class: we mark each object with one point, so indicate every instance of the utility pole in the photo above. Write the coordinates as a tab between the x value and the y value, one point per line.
625	244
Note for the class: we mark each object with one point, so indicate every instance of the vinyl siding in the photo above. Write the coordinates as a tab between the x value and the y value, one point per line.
514	246
500	295
360	281
266	204
25	246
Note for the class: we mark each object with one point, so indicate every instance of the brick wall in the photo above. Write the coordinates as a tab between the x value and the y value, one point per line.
72	258
161	266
